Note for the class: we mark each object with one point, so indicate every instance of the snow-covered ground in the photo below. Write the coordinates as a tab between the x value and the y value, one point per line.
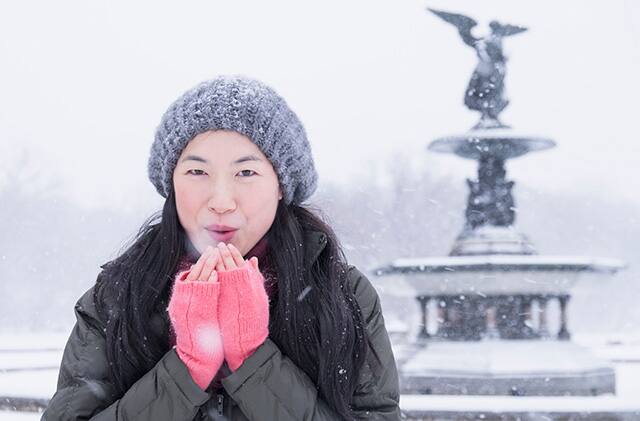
524	404
29	368
29	364
19	416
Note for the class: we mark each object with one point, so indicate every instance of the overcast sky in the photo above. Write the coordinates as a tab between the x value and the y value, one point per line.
84	83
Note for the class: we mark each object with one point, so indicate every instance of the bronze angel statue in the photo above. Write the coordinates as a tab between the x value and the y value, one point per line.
485	92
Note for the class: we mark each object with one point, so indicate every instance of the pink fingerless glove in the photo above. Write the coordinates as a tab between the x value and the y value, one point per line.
243	312
193	313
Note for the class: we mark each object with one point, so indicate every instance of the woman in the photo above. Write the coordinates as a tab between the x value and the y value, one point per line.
238	304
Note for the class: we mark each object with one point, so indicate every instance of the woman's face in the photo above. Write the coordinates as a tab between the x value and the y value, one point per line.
223	179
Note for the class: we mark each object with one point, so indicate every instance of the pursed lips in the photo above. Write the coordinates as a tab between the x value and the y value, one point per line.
220	228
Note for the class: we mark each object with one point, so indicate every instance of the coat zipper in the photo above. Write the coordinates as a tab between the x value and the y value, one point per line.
220	404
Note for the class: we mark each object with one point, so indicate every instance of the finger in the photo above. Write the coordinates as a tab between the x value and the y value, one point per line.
220	265
236	255
209	265
254	262
182	276
226	256
213	277
194	274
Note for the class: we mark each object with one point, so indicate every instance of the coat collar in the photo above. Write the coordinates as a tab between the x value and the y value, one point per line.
314	243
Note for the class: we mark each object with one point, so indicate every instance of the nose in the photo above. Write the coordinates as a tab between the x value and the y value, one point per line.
222	199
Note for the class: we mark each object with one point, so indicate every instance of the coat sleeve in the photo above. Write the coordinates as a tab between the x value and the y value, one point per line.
270	386
84	391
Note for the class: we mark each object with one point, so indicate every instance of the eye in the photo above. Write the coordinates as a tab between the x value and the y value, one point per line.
247	175
190	172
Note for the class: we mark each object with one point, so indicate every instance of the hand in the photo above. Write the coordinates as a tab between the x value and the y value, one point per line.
204	269
231	258
243	310
193	311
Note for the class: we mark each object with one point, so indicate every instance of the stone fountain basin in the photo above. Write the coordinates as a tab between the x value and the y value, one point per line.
503	367
495	274
502	143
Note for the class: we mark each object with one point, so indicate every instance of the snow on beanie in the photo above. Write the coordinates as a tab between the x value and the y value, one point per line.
249	107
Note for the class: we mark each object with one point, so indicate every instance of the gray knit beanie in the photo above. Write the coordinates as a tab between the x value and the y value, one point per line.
249	107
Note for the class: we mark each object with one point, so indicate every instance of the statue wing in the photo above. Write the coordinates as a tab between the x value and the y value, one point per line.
505	30
462	22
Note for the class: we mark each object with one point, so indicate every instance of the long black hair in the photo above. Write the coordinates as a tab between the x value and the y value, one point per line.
312	308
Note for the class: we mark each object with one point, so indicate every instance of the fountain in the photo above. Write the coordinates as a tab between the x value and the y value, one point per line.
490	297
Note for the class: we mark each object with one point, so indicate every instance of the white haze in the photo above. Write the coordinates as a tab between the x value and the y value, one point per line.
84	84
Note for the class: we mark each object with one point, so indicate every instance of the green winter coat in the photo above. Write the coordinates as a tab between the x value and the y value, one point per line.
268	386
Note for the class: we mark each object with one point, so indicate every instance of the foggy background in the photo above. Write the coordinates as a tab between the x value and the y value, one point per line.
84	84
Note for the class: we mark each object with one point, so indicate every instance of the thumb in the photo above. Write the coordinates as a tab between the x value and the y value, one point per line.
254	262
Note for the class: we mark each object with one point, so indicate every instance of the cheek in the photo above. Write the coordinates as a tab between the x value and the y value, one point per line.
187	204
260	209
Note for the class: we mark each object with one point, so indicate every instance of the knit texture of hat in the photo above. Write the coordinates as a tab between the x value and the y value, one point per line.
244	105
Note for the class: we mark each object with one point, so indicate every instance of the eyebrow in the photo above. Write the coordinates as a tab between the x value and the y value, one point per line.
237	161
